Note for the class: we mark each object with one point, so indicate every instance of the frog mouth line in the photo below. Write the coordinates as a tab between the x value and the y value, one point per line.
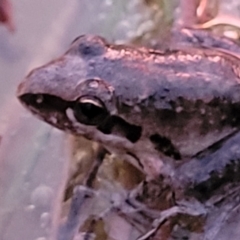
54	111
48	108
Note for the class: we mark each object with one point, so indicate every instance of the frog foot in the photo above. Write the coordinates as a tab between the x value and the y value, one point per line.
185	214
204	14
220	19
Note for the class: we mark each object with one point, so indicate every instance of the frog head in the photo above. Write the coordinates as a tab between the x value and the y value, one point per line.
77	93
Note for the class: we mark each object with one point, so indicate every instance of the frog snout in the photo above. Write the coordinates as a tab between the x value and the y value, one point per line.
31	84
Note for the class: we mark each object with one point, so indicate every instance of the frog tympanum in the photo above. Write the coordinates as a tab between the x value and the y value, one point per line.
174	113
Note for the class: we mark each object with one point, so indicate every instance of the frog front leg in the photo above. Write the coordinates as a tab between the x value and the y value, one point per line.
198	179
170	216
81	199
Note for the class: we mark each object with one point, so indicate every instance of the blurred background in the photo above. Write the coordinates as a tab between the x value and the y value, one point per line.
34	156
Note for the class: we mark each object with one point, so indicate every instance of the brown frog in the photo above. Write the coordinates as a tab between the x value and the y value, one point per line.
155	108
173	113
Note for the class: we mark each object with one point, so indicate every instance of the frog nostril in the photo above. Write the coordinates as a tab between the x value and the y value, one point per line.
39	99
31	99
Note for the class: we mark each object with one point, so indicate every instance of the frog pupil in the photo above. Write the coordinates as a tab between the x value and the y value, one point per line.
90	110
89	113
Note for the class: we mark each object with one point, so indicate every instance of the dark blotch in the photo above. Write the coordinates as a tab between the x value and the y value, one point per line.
205	189
165	146
117	126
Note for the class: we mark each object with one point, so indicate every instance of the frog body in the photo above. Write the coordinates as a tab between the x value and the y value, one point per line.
173	113
171	104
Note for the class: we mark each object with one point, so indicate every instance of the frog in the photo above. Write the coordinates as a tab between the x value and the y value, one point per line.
173	113
141	103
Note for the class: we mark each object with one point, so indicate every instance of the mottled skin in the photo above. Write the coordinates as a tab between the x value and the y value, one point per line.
162	107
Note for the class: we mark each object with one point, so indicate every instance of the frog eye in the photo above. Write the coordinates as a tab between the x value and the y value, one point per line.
90	111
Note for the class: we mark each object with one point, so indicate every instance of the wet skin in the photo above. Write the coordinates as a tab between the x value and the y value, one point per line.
174	112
